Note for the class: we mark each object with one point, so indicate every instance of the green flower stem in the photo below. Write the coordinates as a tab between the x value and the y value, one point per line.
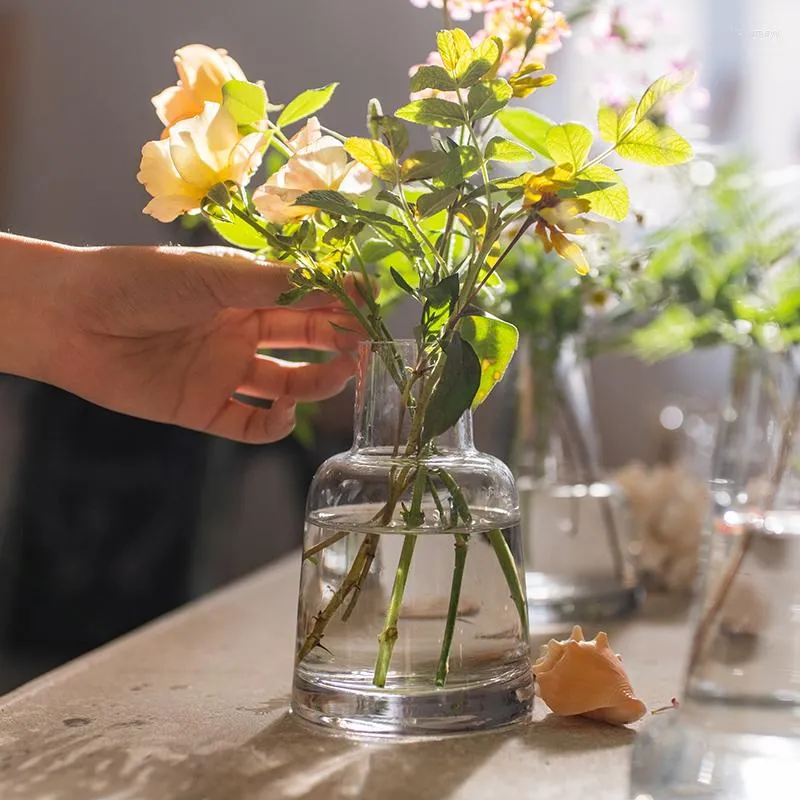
365	552
388	636
509	566
325	543
461	542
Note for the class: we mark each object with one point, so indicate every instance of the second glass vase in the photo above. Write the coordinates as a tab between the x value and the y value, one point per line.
577	530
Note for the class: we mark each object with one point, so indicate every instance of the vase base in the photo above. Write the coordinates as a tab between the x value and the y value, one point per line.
380	713
556	599
678	758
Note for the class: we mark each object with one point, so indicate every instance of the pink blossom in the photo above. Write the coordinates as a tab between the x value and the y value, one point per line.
459	10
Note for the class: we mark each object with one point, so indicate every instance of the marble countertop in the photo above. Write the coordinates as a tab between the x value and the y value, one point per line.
195	707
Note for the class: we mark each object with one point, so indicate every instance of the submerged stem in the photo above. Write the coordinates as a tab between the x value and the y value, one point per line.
461	542
388	636
509	566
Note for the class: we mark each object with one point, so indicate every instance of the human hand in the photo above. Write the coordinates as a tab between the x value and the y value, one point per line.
171	334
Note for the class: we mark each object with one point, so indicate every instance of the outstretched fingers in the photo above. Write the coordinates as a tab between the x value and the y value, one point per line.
245	423
272	378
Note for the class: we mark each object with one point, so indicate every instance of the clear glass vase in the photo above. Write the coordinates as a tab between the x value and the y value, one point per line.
576	526
736	734
412	616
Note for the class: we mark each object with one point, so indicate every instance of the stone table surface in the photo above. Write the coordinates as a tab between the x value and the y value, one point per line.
195	707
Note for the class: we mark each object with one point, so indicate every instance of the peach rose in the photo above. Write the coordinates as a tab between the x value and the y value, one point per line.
198	153
319	162
203	72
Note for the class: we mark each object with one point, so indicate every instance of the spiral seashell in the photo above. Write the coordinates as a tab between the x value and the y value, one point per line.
579	677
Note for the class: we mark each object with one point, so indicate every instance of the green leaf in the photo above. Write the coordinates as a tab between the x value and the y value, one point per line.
452	45
455	390
306	104
423	164
462	161
374	250
444	293
647	143
432	77
395	133
485	99
529	127
385	196
613	122
500	149
569	144
432	111
238	233
402	282
474	65
494	342
375	156
436	201
338	205
246	102
609	197
661	89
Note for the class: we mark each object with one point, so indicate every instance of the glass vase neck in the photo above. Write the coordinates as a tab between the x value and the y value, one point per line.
391	383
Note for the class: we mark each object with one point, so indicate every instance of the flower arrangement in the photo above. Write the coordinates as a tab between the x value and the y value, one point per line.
439	222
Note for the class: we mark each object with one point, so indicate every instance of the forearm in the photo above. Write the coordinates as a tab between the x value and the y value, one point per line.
32	276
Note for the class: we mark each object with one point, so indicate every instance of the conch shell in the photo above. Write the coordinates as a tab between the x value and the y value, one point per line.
579	677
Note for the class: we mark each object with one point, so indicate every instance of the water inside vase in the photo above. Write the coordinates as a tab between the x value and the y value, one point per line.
488	670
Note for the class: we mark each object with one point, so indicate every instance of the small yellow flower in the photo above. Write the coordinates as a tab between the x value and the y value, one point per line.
319	162
198	153
203	71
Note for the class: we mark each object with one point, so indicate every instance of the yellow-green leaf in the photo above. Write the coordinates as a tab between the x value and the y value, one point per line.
375	156
494	342
430	76
487	98
613	122
423	164
527	126
662	88
452	45
569	144
306	104
432	111
475	64
500	149
610	198
647	143
247	102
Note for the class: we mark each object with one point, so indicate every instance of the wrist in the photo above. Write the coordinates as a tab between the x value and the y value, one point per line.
32	274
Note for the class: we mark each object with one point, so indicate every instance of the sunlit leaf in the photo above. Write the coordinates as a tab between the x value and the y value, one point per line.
452	44
432	111
610	196
656	146
423	164
613	122
462	162
246	102
494	342
430	76
375	156
238	233
474	65
306	104
529	127
487	98
661	89
569	144
500	149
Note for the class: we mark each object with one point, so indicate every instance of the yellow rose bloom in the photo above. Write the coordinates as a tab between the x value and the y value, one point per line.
203	71
198	153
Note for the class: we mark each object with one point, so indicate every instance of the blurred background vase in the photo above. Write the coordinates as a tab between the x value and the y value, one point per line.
576	526
737	732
